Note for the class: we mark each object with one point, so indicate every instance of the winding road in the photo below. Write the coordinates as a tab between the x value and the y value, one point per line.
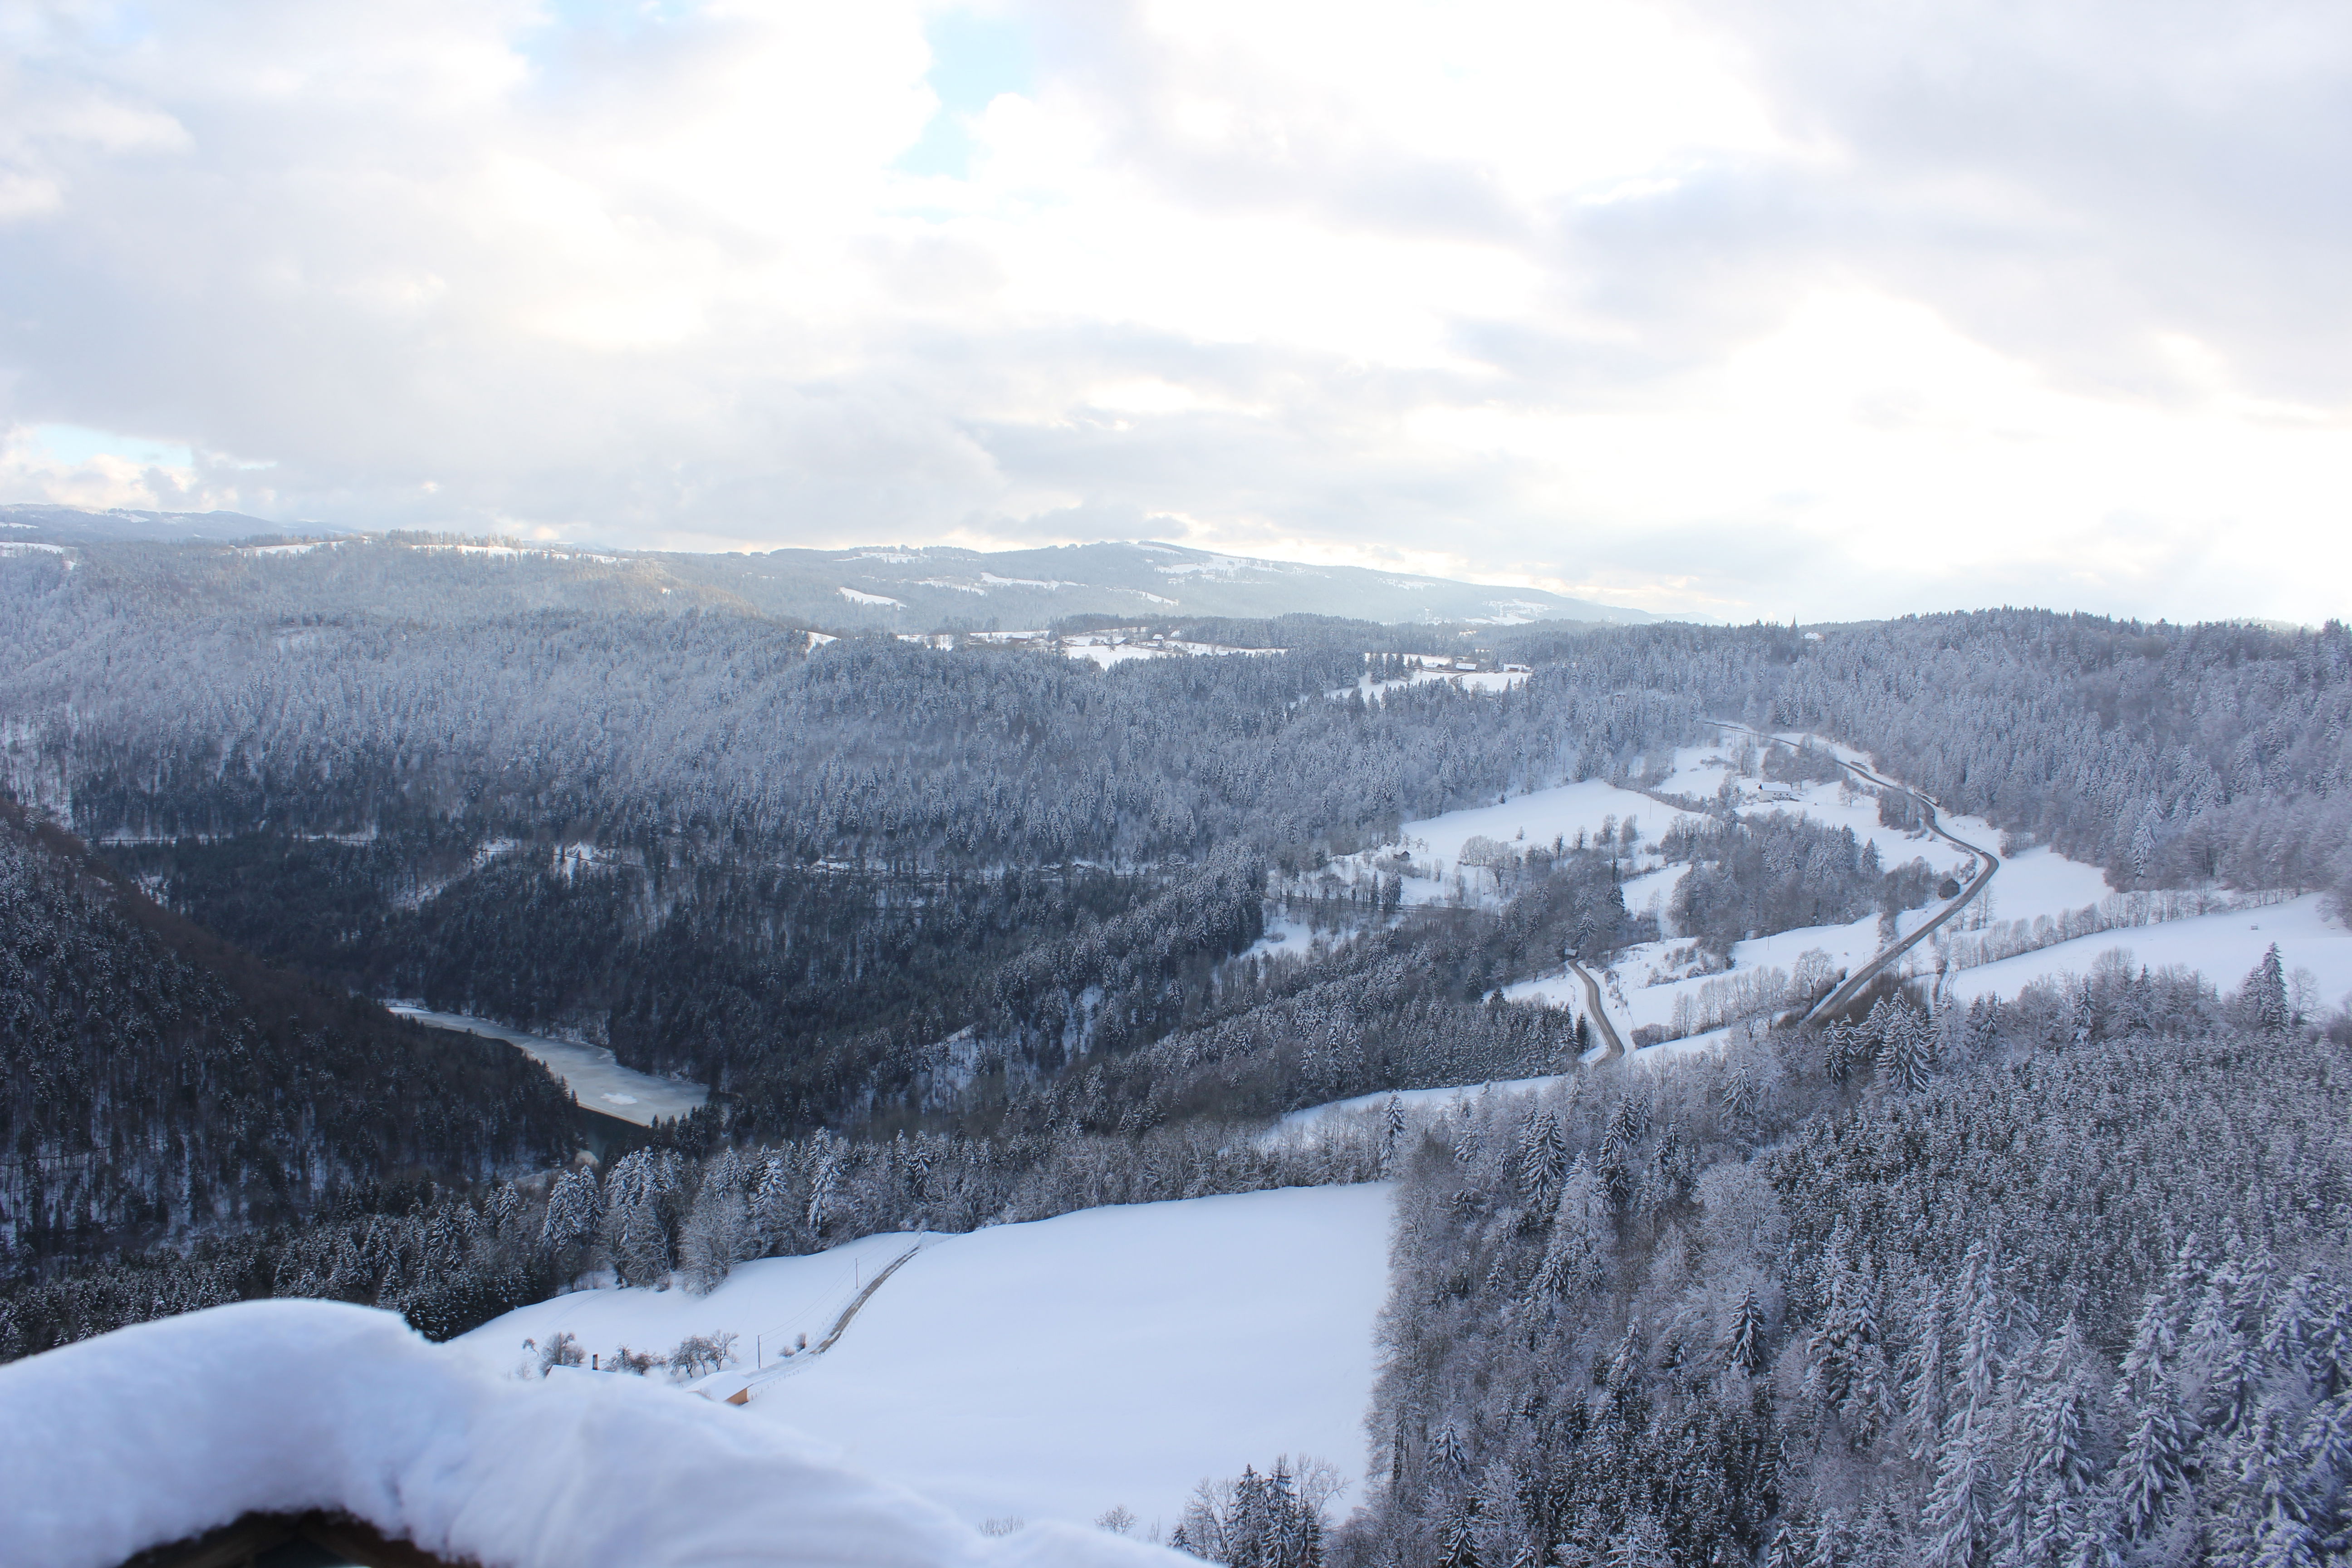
1989	863
1599	1014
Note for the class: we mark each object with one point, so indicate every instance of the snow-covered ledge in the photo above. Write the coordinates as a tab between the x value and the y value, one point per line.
160	1432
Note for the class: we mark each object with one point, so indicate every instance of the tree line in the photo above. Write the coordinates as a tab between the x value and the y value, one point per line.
1828	1299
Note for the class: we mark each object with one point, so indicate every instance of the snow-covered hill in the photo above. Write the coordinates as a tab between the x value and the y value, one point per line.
81	525
1140	580
1054	1370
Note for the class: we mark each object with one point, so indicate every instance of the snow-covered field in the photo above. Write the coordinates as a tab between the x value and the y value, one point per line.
1433	669
1645	990
1515	822
2031	884
1700	771
1420	1104
1285	935
1105	648
1055	1369
1108	648
591	1072
2038	882
2223	947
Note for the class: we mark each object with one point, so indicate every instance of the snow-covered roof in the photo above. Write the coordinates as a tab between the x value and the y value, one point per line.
159	1432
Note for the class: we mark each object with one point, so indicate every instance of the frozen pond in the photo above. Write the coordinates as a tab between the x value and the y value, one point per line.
591	1072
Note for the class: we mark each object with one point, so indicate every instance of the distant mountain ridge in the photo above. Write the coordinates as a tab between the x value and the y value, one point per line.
1145	580
920	588
37	521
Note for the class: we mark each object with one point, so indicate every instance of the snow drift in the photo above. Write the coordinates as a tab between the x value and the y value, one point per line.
170	1428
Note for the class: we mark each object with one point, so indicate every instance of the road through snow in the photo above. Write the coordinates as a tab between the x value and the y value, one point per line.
1599	1013
1988	862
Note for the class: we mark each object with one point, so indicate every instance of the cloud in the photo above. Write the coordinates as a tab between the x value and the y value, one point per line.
1750	308
2070	180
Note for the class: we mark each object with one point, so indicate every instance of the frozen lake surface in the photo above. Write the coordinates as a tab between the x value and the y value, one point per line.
592	1072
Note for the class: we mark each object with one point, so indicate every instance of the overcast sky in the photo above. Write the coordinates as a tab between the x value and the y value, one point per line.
1774	308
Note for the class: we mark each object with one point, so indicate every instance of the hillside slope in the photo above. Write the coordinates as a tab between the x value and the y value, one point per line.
1055	1369
155	1080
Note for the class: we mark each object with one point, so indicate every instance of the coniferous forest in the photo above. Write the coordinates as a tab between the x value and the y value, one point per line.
970	934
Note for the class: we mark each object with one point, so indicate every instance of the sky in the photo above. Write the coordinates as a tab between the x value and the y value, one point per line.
1724	308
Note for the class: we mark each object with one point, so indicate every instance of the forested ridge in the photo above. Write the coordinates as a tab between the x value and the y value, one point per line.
2166	754
2058	1281
159	1084
966	935
566	799
1825	1300
780	871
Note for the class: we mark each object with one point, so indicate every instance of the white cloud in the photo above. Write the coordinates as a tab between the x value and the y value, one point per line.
99	469
1754	310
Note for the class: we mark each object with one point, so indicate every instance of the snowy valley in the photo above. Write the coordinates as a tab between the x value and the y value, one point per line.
1292	1091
